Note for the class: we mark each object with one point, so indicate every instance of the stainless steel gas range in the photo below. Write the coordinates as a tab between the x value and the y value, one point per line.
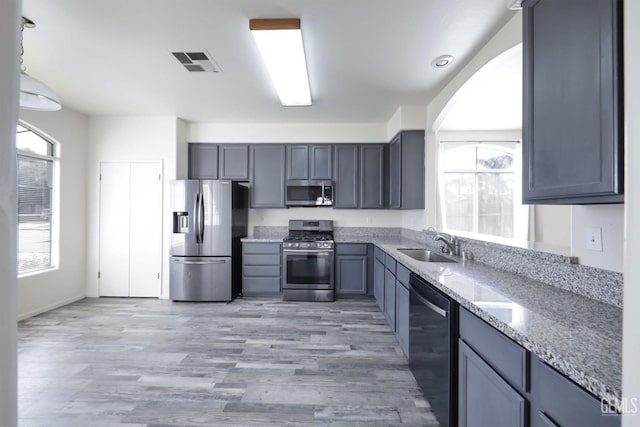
308	260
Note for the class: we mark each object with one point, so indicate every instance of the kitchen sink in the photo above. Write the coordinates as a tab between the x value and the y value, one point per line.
425	255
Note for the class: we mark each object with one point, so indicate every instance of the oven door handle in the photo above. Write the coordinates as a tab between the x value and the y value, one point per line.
306	251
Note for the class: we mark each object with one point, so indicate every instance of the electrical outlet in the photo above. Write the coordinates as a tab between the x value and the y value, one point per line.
367	220
594	239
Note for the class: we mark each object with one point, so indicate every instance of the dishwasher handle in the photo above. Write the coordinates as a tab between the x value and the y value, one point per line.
429	304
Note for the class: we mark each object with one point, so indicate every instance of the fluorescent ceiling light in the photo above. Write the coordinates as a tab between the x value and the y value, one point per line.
280	44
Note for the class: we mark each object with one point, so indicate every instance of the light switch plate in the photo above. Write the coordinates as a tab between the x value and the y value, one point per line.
594	239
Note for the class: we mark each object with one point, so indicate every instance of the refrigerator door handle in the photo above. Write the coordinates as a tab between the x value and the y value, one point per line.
201	218
218	261
196	219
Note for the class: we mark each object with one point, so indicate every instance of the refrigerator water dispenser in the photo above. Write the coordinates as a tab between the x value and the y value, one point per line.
181	222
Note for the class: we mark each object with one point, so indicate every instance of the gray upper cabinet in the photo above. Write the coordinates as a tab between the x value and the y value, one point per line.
310	161
233	162
267	175
372	176
406	170
321	161
573	111
297	161
345	175
203	161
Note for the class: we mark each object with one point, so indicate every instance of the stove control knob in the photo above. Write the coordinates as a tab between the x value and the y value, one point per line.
296	244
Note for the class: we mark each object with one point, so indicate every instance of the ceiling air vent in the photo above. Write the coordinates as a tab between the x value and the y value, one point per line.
197	61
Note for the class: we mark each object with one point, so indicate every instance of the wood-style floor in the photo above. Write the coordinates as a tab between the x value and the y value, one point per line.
254	362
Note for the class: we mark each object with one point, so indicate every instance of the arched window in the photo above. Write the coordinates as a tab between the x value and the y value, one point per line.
479	188
36	163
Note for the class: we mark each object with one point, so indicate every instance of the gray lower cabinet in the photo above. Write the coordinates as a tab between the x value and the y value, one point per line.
390	298
345	176
485	399
261	268
378	282
402	316
233	162
406	170
267	175
560	402
203	161
573	102
372	176
351	269
502	384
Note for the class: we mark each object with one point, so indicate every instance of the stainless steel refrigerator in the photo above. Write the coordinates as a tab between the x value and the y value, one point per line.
209	219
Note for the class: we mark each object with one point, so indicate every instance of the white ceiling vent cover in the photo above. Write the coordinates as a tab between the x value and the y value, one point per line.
197	61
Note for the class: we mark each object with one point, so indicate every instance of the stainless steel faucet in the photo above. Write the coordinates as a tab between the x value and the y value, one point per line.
451	243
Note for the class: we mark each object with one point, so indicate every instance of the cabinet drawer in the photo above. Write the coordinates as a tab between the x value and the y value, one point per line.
563	403
351	249
261	260
261	271
504	355
402	274
390	263
260	285
378	253
261	248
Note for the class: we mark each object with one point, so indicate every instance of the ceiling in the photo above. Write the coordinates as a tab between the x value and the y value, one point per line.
365	57
492	98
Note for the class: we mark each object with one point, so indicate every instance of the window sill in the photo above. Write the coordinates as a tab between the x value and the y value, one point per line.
36	272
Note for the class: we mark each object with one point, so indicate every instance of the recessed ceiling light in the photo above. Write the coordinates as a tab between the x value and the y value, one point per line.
442	61
280	44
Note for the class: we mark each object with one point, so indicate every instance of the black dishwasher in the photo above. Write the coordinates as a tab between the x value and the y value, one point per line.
433	348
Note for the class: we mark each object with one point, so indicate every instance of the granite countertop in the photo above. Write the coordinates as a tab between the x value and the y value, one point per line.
579	336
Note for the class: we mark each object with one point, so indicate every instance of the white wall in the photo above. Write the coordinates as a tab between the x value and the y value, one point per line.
9	86
306	133
610	218
406	117
44	291
128	138
631	313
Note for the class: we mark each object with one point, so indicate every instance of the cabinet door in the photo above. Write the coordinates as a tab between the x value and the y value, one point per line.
267	175
345	175
573	122
351	274
485	399
402	317
234	162
297	161
390	299
372	176
203	161
395	172
563	403
321	161
378	282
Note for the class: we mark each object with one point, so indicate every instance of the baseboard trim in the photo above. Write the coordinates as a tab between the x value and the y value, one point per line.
50	307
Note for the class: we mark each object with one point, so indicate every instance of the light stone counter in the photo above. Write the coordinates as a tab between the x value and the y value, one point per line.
579	336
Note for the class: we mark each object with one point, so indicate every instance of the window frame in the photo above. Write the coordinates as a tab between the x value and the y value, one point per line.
500	140
54	158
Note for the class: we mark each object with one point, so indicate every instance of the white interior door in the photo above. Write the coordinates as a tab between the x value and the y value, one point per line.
114	229
145	235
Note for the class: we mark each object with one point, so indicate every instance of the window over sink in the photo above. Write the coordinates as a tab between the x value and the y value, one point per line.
480	189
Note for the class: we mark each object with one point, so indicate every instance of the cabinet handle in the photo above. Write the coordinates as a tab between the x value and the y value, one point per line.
219	261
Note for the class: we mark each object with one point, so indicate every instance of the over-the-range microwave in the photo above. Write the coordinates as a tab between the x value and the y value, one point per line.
309	193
